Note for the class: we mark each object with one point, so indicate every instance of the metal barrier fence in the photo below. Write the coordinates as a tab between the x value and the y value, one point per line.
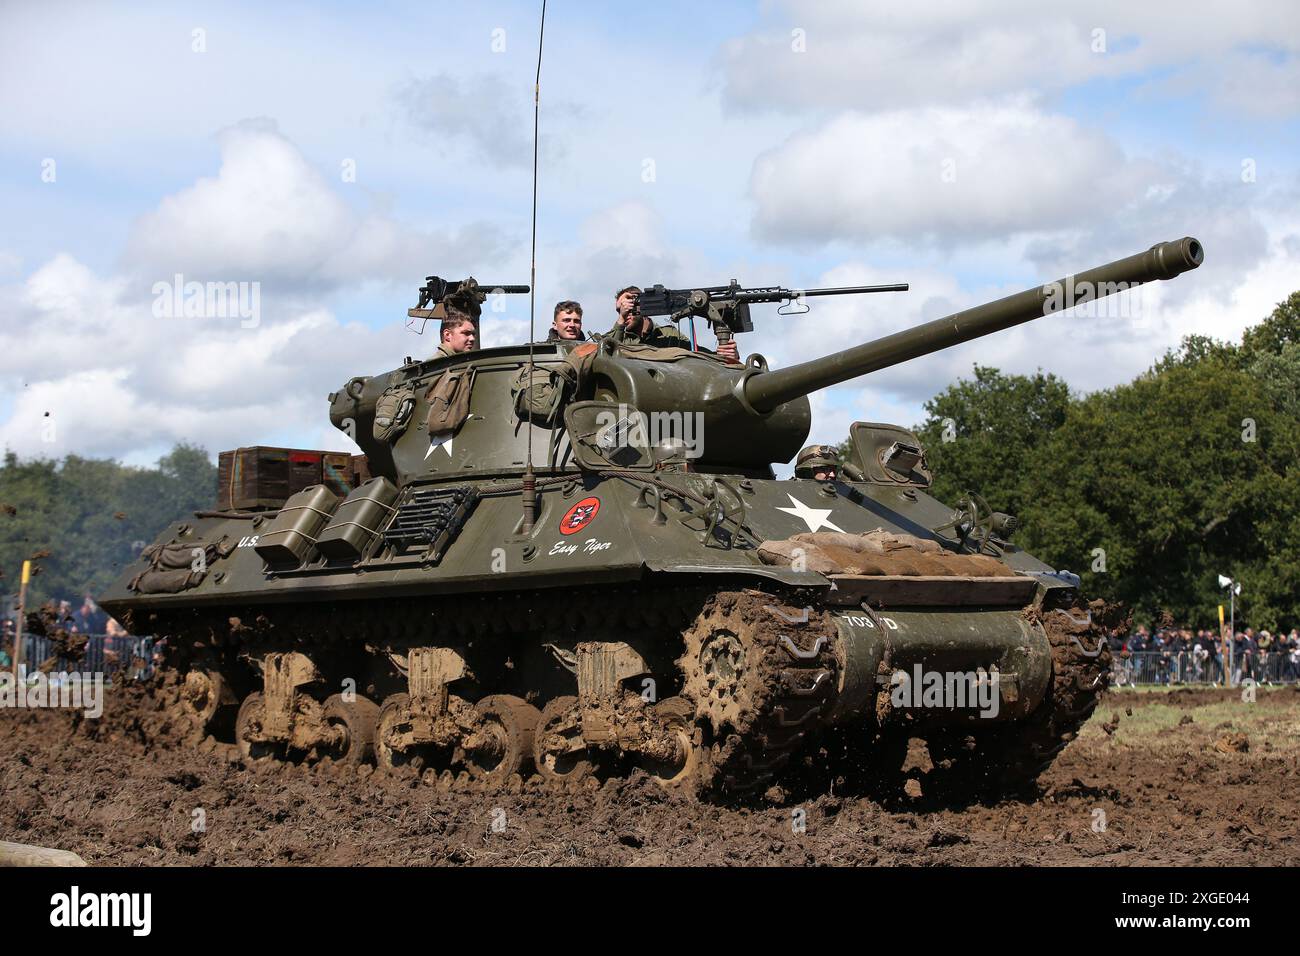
1185	667
127	656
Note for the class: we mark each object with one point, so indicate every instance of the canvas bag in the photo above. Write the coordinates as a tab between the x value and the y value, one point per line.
448	399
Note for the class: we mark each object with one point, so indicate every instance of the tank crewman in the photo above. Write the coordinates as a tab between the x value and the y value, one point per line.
566	324
542	400
637	329
818	462
459	334
462	305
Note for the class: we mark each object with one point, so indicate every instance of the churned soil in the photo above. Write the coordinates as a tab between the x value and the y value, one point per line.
1155	778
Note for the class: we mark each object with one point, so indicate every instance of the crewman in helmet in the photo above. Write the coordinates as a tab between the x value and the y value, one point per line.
818	462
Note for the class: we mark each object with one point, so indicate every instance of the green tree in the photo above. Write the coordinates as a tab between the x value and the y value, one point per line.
91	516
980	434
1280	329
1151	490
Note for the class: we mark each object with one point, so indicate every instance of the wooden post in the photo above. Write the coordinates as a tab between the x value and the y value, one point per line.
18	625
20	854
1223	647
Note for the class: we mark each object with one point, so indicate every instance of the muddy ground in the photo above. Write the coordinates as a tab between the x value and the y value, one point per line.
1183	777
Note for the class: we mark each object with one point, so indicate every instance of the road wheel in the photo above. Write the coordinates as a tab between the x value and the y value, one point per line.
393	722
558	751
252	712
503	742
678	715
354	724
203	695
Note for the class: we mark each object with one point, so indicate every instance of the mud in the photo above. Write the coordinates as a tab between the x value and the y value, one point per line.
128	789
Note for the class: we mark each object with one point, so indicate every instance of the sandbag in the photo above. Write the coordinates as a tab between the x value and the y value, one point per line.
878	553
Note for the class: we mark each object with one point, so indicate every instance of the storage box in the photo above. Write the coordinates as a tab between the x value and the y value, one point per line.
336	472
256	477
304	469
360	470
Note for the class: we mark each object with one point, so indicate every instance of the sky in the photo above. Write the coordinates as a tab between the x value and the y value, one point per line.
324	158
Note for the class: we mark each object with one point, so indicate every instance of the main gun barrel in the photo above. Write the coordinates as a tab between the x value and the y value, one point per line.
764	391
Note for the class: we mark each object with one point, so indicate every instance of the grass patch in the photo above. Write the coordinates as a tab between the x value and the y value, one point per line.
1273	719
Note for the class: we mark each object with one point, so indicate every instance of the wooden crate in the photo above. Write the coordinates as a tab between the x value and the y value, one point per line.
336	472
261	477
360	470
304	469
256	477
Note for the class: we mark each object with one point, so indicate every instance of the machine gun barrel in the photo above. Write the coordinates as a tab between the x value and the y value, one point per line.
656	300
780	295
764	391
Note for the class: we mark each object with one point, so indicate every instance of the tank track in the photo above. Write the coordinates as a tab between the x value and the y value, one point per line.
755	670
788	662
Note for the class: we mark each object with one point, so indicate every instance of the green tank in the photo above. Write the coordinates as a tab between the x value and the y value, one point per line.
590	568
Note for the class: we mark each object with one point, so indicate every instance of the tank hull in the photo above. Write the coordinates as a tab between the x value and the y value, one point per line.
539	619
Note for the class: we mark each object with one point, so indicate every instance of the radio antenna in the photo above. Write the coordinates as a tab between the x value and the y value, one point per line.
530	479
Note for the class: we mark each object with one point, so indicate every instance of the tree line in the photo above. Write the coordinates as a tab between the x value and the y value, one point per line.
1152	489
84	519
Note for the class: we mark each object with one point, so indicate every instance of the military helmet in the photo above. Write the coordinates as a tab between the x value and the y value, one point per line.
816	458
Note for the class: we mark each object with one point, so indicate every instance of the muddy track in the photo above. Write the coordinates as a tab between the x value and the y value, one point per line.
124	790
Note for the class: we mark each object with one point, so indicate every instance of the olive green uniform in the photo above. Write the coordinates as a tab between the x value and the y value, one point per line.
660	336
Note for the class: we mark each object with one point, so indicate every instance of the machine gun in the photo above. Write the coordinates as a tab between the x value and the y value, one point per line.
464	294
726	307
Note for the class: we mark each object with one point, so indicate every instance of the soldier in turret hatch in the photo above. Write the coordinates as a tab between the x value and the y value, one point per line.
539	393
637	329
459	312
566	325
459	334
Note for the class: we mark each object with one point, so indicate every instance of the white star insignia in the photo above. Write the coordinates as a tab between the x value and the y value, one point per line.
444	441
815	518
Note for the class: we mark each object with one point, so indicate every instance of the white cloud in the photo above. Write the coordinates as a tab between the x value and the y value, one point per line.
114	378
955	174
483	112
871	56
91	354
1089	351
269	216
619	246
855	132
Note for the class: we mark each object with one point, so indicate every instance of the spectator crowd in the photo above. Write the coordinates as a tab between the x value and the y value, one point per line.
1174	655
108	647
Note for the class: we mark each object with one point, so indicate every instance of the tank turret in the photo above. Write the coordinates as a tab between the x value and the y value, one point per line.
743	417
